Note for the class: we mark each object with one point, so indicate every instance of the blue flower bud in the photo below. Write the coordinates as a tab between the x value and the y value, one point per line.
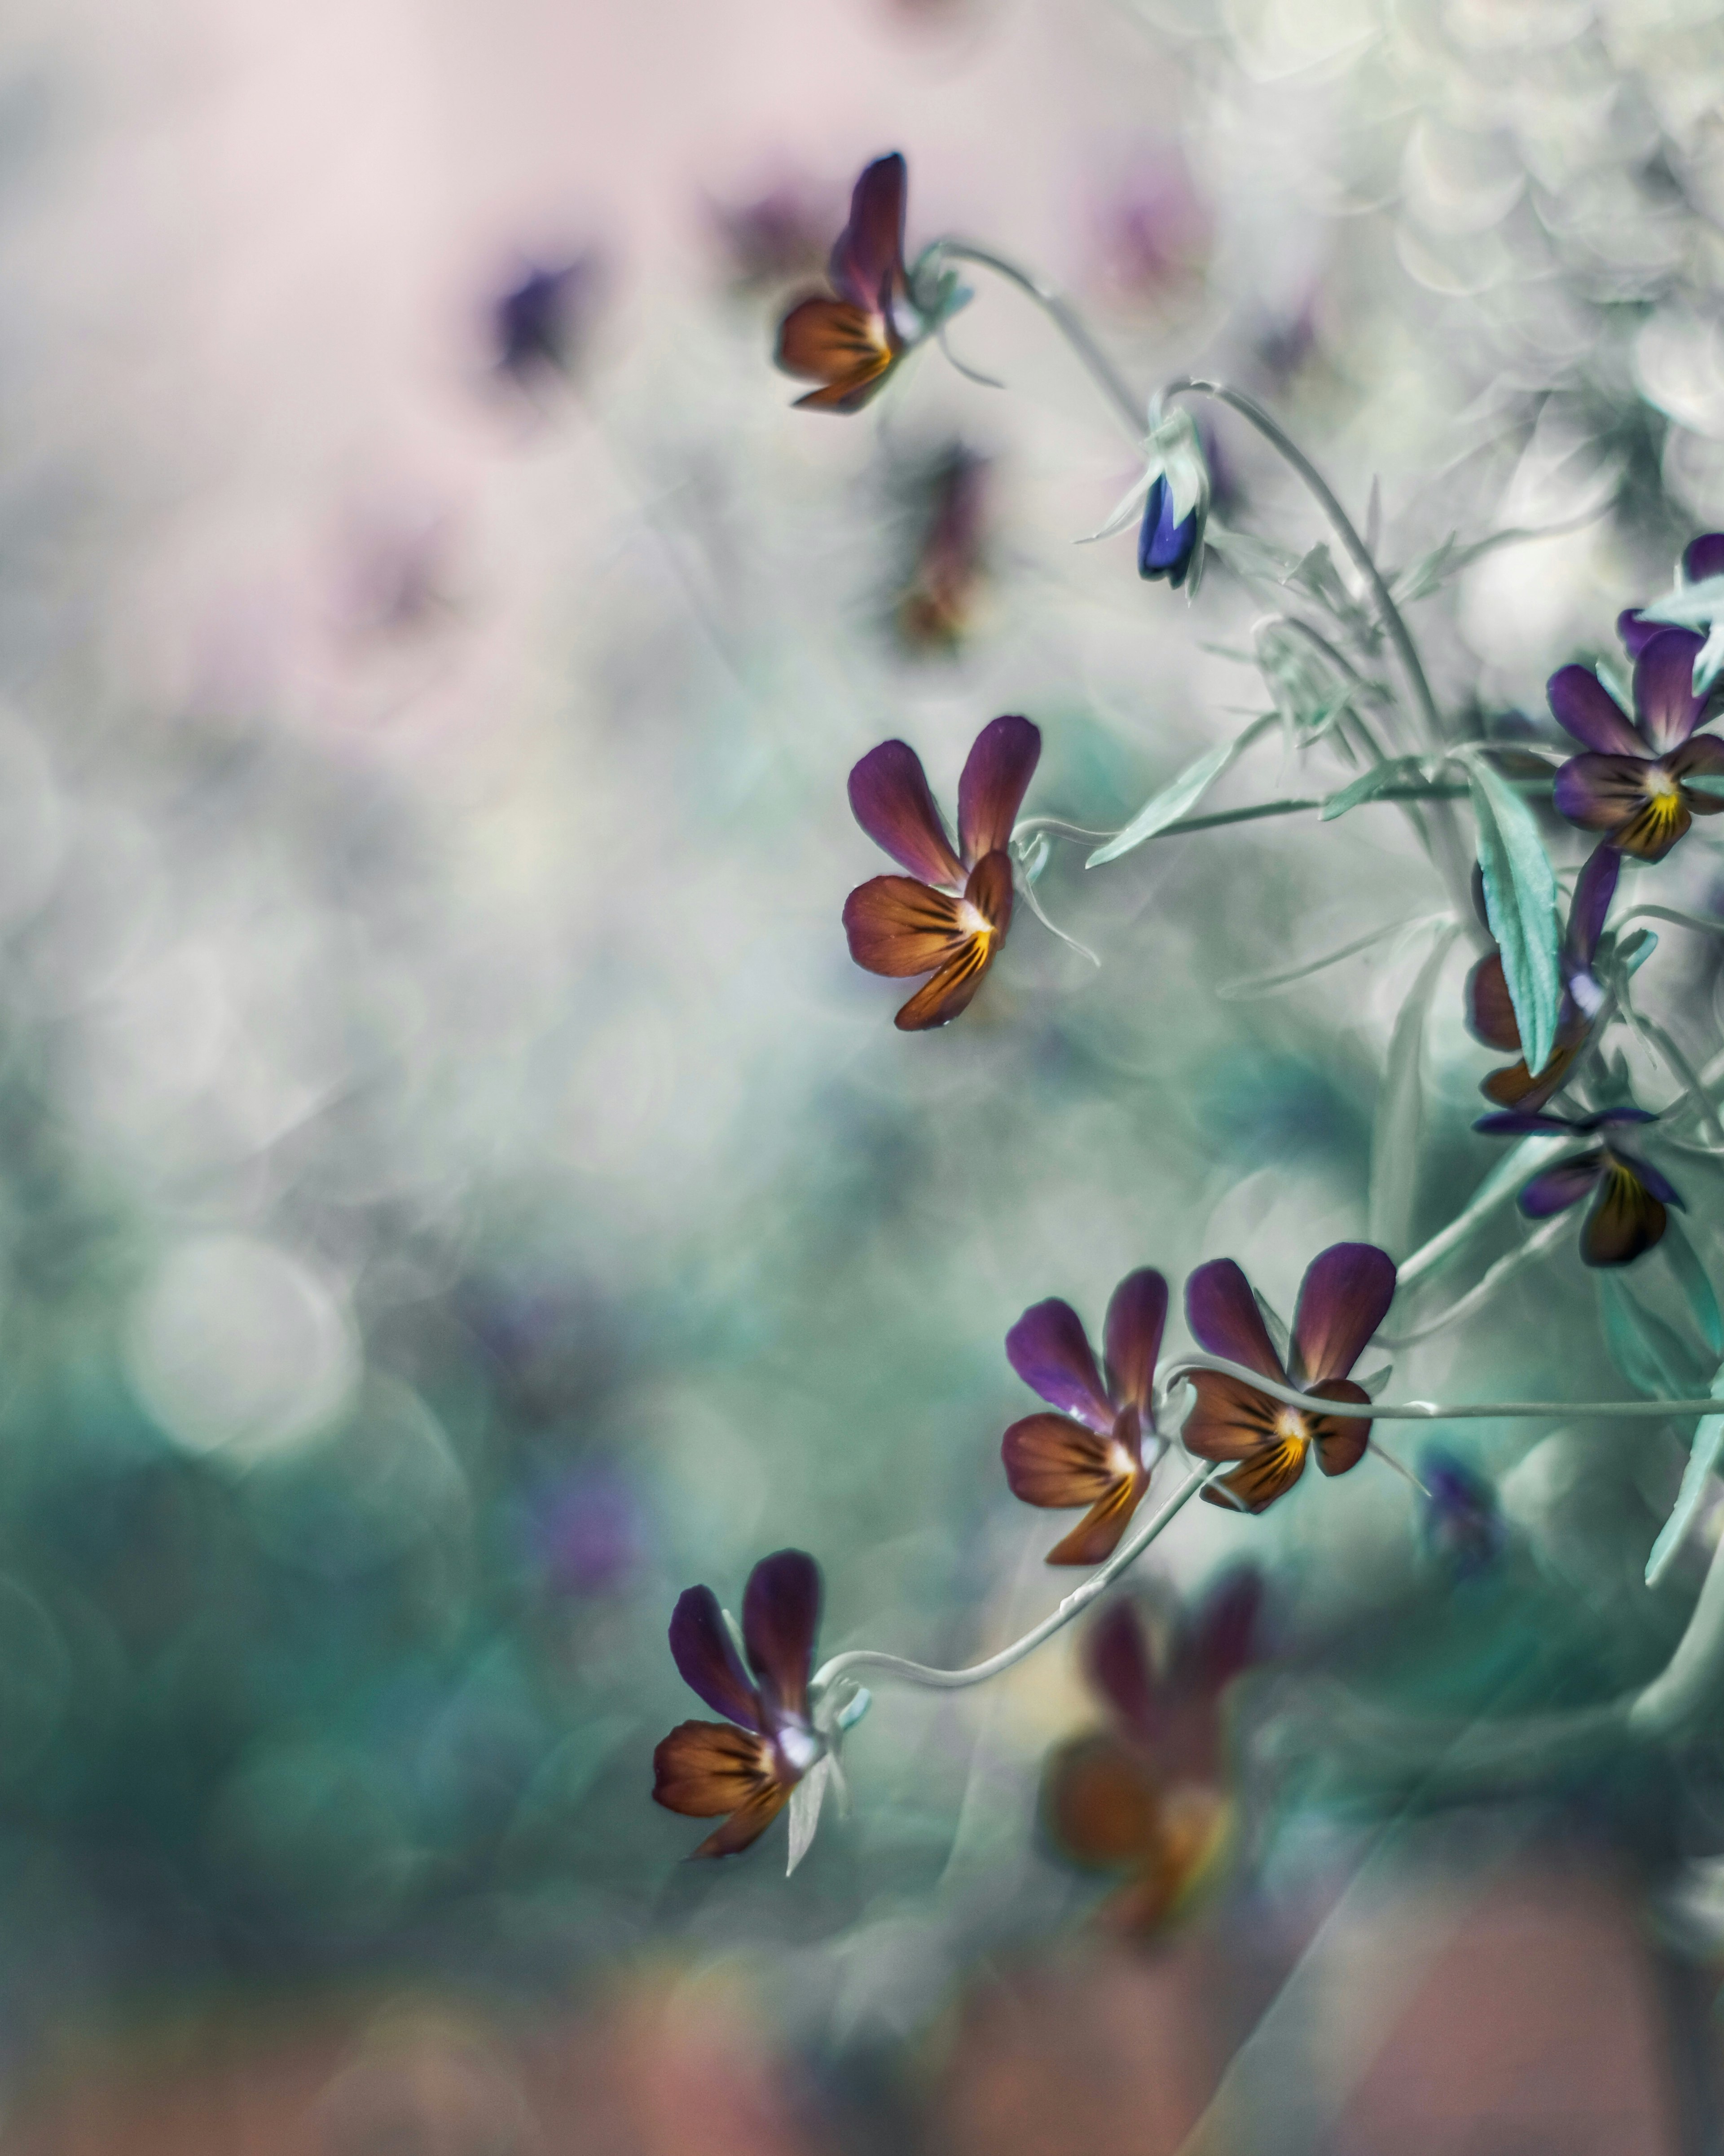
1165	549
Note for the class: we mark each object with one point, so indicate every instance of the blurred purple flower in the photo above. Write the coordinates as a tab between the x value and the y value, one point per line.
587	1530
776	236
1491	1014
540	325
1636	782
932	611
1460	1522
1627	1216
1157	229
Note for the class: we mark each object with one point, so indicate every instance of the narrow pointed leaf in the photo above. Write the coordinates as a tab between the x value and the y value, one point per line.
1174	800
1520	904
1702	1459
1684	1261
805	1802
1400	1111
1396	771
1649	1356
1516	1167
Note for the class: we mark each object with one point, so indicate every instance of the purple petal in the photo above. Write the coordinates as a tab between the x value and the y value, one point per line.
1582	704
1490	1014
703	1650
1165	549
1225	1635
1116	1661
1703	558
868	259
1594	888
1607	1117
1602	793
1664	689
1223	1318
1343	1298
1650	1180
995	777
1560	1186
1519	1123
781	1614
1635	631
890	800
1132	1337
1049	1351
1704	754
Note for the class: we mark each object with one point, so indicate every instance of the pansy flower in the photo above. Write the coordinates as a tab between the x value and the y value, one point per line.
1343	1298
1636	783
1697	603
949	916
1147	1796
850	342
1491	1012
1629	1195
1092	1452
745	1766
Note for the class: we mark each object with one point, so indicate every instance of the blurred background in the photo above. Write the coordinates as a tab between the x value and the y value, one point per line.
456	1192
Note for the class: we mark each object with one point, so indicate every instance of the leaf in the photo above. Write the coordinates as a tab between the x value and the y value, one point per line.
1395	771
1249	557
1521	905
1702	1458
805	1801
1704	782
1649	1356
1616	682
1400	1111
1691	1277
1173	800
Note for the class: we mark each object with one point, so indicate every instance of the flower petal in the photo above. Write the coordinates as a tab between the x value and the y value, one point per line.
1703	558
1255	1484
953	989
1635	631
1701	756
1052	1461
1658	1185
868	258
1665	701
1594	888
706	1768
1625	1219
846	348
1231	1419
1096	1536
1223	1638
1516	1087
897	927
1555	1190
748	1823
1580	702
1050	1351
1517	1123
1117	1663
890	800
1132	1337
781	1614
1340	1443
995	777
1165	545
1101	1802
1489	1013
1612	793
1343	1298
706	1655
1225	1319
848	394
989	890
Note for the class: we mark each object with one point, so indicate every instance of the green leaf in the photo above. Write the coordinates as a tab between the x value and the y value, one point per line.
1521	905
1704	782
1657	1363
1394	771
1400	1111
1250	557
1702	1458
1684	1261
1175	799
1517	1166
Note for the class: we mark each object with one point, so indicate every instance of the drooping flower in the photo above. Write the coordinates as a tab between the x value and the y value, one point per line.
1637	782
1092	1453
850	341
1491	1012
1343	1298
1627	1213
1147	1795
1175	490
745	1766
1697	603
1164	547
1460	1522
950	915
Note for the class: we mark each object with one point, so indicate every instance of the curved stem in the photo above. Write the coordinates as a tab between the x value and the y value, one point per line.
1433	1410
1066	320
1056	826
1074	1605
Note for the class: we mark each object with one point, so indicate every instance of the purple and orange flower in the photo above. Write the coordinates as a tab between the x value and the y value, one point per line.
1147	1795
1697	603
1635	784
745	1766
1092	1452
1343	1298
1491	1012
1628	1196
850	342
932	611
949	916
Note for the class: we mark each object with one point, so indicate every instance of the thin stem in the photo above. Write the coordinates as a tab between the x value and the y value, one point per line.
1504	1268
1265	985
1056	826
1074	1605
1432	1410
1066	320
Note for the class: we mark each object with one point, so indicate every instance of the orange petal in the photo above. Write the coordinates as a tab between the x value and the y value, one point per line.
1101	1802
832	341
952	989
1231	1420
899	926
989	890
1341	1444
1188	1852
748	1823
1096	1536
1257	1482
706	1768
1052	1459
1625	1219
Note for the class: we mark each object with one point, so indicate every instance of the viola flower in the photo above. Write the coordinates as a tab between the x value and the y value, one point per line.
1629	1195
1459	1521
1343	1298
1636	783
745	1766
850	342
1697	603
1092	1454
1147	1795
1491	1014
950	915
1175	490
1164	547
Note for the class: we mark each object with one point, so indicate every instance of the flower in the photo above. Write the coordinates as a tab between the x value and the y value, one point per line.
1343	1298
932	610
1697	603
1459	1522
950	915
1175	490
1147	1795
538	324
1637	782
1491	1014
1092	1454
1628	1196
1164	547
746	1765
850	344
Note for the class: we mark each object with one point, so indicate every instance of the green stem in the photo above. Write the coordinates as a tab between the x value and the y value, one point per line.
1056	826
1433	1410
